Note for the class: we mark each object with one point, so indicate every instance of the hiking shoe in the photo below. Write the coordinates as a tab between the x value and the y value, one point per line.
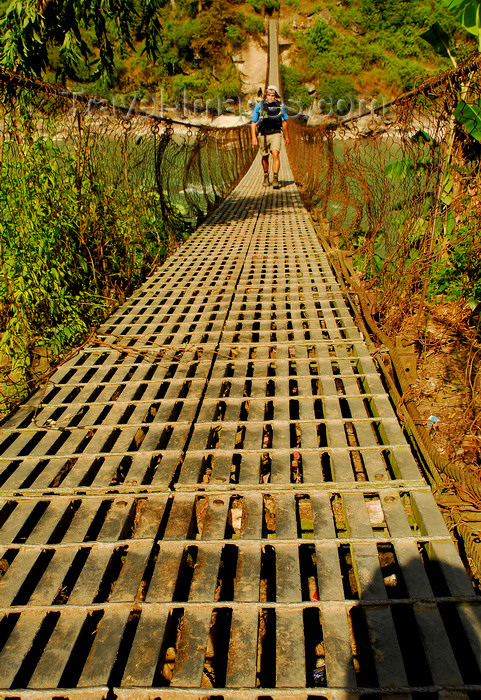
267	182
276	185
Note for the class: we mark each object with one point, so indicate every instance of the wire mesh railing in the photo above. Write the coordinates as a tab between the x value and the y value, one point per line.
93	197
401	190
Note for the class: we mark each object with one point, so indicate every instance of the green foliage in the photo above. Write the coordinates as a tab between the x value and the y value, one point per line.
335	89
235	36
407	73
254	25
196	84
41	296
468	13
383	37
470	117
70	242
271	5
438	38
389	15
294	91
455	270
347	58
84	34
320	36
124	43
267	6
286	30
456	273
231	84
106	43
217	27
398	25
176	53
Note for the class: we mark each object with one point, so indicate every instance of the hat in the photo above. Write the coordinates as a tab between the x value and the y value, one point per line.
272	87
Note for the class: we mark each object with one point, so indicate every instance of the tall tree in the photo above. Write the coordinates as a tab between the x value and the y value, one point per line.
80	34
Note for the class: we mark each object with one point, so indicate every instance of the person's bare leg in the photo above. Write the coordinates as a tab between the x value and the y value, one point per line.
276	162
265	168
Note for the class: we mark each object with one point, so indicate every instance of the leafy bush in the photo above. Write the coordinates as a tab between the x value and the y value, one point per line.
457	273
343	18
235	35
293	89
71	241
254	25
211	41
404	74
267	6
286	30
336	89
196	83
320	36
230	83
271	5
386	14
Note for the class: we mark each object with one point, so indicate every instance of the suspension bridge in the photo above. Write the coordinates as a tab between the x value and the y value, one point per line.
218	501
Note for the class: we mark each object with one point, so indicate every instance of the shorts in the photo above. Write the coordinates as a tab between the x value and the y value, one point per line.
270	142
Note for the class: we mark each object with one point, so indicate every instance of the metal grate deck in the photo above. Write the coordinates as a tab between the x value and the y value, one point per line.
218	501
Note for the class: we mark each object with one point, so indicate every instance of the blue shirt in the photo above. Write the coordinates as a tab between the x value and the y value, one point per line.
257	108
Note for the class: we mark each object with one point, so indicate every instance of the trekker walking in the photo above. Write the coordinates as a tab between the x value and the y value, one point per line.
269	122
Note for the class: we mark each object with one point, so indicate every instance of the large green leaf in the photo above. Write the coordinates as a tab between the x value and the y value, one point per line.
438	38
467	12
447	192
470	117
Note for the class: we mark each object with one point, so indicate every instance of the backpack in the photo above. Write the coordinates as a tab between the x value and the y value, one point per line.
270	117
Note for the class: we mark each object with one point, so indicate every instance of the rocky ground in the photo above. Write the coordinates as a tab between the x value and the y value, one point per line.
444	363
447	379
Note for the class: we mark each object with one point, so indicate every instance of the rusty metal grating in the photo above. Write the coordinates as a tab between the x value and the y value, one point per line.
217	500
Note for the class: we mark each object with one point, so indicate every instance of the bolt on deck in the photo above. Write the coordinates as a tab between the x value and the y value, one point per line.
217	500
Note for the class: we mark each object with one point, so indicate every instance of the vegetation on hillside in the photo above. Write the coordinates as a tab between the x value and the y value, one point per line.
367	46
131	45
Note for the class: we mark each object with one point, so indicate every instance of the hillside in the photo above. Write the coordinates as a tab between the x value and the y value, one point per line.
363	47
211	47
